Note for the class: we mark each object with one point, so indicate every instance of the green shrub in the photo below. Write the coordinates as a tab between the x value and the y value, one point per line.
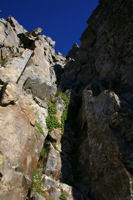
52	110
65	99
39	128
63	196
37	183
65	112
52	122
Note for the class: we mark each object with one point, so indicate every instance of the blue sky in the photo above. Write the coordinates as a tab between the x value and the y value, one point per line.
63	20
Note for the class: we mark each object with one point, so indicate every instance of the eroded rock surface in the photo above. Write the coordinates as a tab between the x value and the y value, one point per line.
88	152
99	75
27	84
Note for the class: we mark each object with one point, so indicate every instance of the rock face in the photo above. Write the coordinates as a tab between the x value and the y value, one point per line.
99	74
79	141
20	147
101	155
27	83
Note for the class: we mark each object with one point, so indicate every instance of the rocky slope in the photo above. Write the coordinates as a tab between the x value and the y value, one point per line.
66	123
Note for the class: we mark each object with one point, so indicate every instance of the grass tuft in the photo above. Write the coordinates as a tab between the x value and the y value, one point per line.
39	128
63	196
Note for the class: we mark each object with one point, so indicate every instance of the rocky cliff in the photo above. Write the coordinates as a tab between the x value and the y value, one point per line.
100	76
66	123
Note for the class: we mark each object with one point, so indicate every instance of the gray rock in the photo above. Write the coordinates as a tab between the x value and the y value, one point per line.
39	69
16	26
36	32
10	94
2	32
38	197
14	68
40	102
11	38
38	89
49	182
53	165
54	193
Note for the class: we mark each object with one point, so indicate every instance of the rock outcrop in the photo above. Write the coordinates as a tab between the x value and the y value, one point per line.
99	74
74	142
27	84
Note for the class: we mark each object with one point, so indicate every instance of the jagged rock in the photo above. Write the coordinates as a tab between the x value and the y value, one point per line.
36	32
59	59
49	182
60	104
53	165
78	54
16	26
73	51
102	42
7	53
39	74
22	59
94	154
14	68
104	69
40	112
55	137
8	36
2	32
10	94
54	193
38	197
40	102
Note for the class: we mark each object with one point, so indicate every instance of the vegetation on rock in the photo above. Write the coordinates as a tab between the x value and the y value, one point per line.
39	128
63	196
43	153
52	121
52	110
37	184
65	112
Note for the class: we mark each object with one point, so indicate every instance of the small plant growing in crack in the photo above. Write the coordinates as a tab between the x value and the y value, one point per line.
63	196
37	184
43	153
52	121
39	128
65	112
